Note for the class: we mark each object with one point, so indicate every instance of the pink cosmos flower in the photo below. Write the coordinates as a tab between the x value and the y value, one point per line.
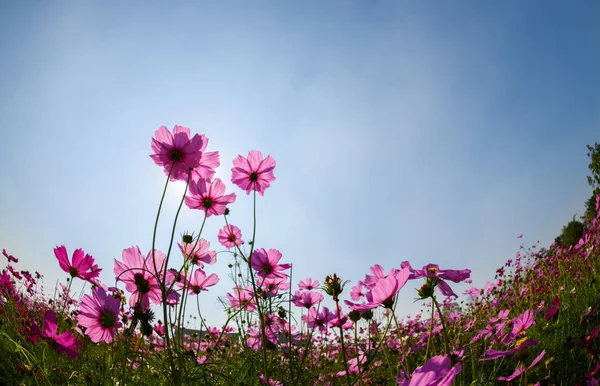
521	368
253	173
230	236
272	285
10	258
64	343
176	152
208	162
265	263
383	291
198	253
437	371
519	346
208	197
199	282
99	314
308	284
320	319
433	271
242	298
141	276
82	266
306	299
356	293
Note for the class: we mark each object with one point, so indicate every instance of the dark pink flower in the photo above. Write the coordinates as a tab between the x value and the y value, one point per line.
551	311
433	271
230	236
176	152
10	258
199	282
82	265
265	263
521	368
437	371
209	197
198	253
64	343
253	173
99	314
519	346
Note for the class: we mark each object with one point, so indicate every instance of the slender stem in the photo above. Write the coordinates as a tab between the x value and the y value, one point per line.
339	316
444	332
430	331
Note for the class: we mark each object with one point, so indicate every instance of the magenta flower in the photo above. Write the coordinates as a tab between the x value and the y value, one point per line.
230	236
199	282
209	197
82	265
551	311
198	253
140	276
437	371
176	152
519	346
99	314
265	263
433	272
521	368
64	343
253	173
10	258
308	284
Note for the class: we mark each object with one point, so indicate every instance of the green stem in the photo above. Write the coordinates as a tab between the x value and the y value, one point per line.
339	316
444	332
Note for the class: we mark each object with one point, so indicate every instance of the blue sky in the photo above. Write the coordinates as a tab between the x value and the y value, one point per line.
433	133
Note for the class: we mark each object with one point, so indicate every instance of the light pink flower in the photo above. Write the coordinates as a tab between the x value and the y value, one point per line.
199	282
208	162
383	291
320	320
253	173
242	298
230	236
99	314
82	265
198	253
65	342
265	263
209	197
308	284
306	299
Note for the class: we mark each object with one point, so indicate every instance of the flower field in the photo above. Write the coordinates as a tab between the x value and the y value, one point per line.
537	322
